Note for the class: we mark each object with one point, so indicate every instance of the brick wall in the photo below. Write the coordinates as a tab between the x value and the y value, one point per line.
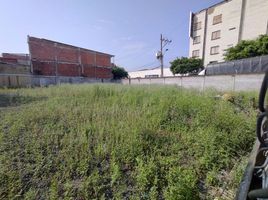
15	56
18	58
54	58
8	60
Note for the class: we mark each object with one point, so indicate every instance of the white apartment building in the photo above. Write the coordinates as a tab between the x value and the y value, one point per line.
223	25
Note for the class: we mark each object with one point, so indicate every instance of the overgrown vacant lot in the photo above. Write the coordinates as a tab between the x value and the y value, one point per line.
122	142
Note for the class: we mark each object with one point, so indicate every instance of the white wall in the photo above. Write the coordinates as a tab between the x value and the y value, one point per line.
250	82
230	19
143	73
198	18
256	19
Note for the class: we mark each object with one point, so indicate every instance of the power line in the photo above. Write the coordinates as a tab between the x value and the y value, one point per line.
129	56
148	64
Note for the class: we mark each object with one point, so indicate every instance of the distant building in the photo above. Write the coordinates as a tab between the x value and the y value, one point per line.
223	25
51	58
58	59
150	73
20	58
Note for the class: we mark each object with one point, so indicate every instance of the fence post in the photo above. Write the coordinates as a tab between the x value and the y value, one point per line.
234	82
9	81
203	85
260	63
17	79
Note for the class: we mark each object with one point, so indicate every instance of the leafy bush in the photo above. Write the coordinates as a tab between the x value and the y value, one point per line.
248	48
119	73
186	65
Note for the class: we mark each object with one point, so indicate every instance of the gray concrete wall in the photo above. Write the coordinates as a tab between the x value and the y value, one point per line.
14	68
249	82
221	83
23	80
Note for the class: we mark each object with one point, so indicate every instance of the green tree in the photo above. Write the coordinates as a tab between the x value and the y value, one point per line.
185	65
262	44
248	48
119	73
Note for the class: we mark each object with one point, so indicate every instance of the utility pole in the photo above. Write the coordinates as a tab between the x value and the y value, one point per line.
160	55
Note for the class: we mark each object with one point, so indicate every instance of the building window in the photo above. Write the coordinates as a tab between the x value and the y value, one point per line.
195	53
214	50
197	26
216	35
217	19
196	40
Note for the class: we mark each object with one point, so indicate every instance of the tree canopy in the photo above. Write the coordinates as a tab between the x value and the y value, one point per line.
248	48
186	65
119	72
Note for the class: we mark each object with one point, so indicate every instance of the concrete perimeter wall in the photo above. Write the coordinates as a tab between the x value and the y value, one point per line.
23	80
247	82
222	83
14	68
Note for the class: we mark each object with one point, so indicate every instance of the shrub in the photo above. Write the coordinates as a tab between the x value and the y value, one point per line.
119	73
186	65
248	48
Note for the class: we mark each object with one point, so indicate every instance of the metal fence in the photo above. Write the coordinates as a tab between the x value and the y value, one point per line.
243	66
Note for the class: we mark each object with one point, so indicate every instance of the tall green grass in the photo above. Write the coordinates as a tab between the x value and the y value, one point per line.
121	142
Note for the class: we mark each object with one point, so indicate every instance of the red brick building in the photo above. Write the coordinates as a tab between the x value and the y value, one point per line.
52	58
15	58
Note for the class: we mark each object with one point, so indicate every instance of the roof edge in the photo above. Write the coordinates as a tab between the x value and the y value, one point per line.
212	6
52	41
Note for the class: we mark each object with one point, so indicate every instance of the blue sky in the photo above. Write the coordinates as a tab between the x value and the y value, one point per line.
128	29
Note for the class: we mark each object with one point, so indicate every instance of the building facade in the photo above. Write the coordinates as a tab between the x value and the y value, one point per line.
223	25
19	58
52	58
151	73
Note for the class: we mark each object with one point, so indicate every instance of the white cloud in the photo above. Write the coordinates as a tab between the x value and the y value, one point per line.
105	21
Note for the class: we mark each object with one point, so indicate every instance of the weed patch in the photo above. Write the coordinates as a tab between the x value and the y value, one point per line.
122	142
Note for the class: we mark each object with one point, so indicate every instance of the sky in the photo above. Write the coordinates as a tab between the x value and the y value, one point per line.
128	29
